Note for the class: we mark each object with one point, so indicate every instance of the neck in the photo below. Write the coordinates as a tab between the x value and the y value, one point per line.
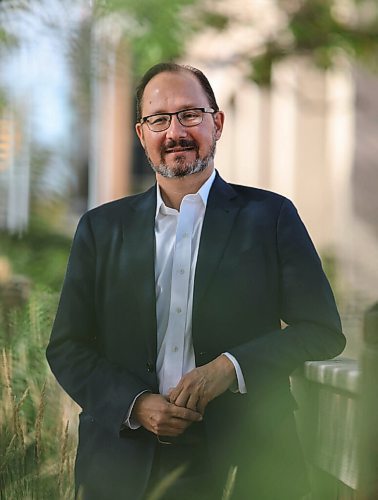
173	190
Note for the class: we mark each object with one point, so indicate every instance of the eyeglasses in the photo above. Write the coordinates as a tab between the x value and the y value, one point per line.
187	118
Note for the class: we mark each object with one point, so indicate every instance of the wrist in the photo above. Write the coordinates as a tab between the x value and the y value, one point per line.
227	368
138	405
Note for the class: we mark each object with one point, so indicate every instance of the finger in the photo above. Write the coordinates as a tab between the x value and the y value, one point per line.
201	405
174	427
173	393
186	414
192	402
165	426
182	399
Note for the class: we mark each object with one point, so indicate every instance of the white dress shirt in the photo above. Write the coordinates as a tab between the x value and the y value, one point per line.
177	237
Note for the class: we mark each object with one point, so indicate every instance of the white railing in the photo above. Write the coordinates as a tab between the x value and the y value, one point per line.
338	421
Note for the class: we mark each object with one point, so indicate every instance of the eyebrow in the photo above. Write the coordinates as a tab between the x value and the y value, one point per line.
188	106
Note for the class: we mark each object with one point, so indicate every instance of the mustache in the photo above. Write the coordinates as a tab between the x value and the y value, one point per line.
181	143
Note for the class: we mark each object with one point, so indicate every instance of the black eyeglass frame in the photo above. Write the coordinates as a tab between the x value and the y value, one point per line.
177	113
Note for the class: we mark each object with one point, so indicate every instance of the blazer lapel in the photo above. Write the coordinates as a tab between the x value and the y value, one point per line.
221	211
139	247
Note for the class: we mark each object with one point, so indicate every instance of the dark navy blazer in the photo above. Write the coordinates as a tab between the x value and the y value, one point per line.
256	266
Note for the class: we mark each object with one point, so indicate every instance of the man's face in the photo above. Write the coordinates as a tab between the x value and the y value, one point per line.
178	151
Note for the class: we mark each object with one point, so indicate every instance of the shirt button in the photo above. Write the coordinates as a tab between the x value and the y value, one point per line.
175	348
178	310
150	367
182	271
185	235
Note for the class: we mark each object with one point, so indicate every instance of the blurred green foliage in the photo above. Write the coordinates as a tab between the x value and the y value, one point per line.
321	30
40	254
155	30
36	451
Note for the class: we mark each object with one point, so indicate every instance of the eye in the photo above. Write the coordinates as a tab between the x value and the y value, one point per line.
158	119
190	115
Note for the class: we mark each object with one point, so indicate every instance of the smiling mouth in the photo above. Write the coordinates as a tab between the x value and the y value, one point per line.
178	150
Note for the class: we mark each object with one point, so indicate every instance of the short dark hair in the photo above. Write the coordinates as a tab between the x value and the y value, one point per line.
171	67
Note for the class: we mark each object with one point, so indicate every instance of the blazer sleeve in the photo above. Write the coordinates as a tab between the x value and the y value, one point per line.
307	306
102	389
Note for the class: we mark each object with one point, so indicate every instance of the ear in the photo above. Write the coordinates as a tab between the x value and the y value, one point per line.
139	132
219	122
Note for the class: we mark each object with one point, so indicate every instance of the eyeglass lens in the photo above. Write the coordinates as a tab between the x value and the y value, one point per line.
187	118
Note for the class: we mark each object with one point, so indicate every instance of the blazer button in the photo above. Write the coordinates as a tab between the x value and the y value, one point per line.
202	353
150	367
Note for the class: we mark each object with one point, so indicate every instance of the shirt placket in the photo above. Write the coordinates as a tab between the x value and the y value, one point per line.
175	335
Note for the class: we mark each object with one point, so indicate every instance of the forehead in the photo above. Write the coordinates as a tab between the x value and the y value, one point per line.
168	92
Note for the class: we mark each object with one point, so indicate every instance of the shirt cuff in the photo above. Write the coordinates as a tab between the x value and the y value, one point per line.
241	387
129	421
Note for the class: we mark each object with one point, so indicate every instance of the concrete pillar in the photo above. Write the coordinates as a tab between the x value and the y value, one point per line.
14	171
112	123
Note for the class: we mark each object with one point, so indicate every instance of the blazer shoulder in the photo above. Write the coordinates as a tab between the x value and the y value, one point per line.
118	208
261	196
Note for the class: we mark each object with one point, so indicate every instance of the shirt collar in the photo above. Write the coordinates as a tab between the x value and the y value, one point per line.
203	192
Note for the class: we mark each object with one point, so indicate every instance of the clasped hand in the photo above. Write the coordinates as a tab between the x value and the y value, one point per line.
201	385
186	403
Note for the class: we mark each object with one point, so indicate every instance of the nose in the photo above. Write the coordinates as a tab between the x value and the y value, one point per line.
176	130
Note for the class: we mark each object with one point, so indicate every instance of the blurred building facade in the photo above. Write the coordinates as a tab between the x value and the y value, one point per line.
311	136
14	169
112	114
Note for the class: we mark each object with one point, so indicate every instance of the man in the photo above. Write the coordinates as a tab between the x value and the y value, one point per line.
168	332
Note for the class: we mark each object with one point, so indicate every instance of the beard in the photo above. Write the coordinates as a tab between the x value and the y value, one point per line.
181	167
